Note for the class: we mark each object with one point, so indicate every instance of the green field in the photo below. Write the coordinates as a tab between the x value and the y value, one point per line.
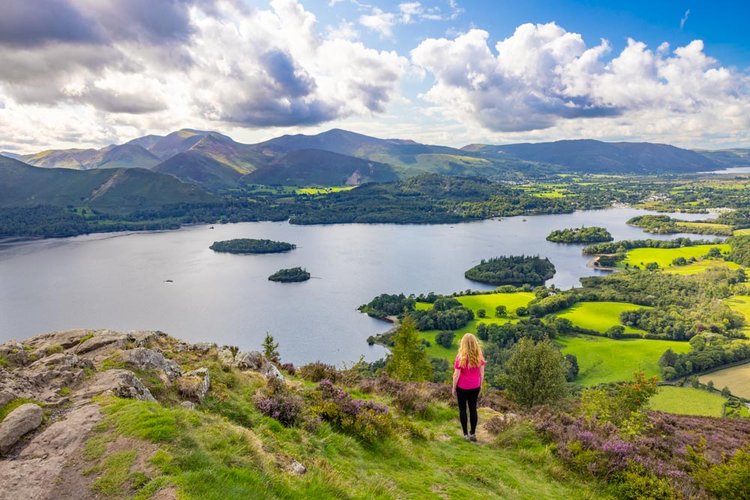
605	360
687	401
322	190
741	232
600	316
486	301
741	304
701	266
664	256
737	378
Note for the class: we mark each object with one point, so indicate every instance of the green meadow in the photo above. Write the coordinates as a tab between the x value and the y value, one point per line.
741	304
701	266
664	256
600	316
486	301
322	190
687	401
602	360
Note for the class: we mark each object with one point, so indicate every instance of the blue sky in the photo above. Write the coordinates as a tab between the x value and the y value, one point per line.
80	73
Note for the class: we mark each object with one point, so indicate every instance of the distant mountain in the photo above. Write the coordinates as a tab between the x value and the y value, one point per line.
307	167
197	168
114	156
729	157
114	190
126	156
602	157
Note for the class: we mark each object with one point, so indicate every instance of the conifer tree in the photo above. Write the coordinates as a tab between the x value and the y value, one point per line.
408	359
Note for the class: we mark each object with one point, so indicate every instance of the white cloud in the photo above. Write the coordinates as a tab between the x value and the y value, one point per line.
684	18
251	67
379	21
544	77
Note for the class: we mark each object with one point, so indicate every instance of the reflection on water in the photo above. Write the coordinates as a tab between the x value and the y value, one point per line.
120	281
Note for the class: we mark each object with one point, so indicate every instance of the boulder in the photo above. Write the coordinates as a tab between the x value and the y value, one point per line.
146	359
15	353
194	384
122	383
105	339
61	360
202	347
226	357
297	468
144	338
255	361
19	422
188	405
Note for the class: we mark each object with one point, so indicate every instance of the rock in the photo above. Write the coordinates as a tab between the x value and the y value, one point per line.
298	468
255	361
15	353
19	422
122	383
188	405
106	339
194	384
145	359
61	360
226	357
202	347
142	339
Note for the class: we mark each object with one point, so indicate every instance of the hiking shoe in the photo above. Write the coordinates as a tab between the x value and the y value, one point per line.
473	437
466	437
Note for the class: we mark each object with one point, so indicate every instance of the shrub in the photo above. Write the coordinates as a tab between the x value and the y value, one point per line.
289	368
284	407
535	373
317	371
445	338
621	405
367	420
408	360
638	483
501	311
481	313
730	479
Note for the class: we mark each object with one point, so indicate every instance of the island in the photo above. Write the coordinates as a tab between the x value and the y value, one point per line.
512	270
248	245
592	234
293	275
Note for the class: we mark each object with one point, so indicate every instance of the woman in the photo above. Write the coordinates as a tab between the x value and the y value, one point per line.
468	375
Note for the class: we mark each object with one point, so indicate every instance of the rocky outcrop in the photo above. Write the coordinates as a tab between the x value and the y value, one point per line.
255	361
194	384
108	339
121	383
19	422
146	359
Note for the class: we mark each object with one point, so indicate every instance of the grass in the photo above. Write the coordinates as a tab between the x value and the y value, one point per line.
486	301
741	232
687	401
741	304
664	256
205	455
701	266
13	404
736	378
602	360
600	316
322	190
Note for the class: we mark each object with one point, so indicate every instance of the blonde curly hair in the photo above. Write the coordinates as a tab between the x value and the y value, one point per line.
469	353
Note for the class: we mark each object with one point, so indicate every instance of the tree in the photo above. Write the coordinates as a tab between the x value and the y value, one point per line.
535	373
445	338
270	348
501	311
408	360
481	313
573	368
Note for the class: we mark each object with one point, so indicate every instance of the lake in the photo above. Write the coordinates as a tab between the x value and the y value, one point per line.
119	281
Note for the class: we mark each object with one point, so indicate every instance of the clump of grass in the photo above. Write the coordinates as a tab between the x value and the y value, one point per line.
114	472
64	391
4	363
53	349
12	405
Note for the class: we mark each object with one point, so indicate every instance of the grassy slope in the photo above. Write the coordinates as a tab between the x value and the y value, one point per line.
600	316
664	256
701	266
227	449
488	302
605	360
737	378
741	304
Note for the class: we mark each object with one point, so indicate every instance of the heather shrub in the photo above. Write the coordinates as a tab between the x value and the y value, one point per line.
277	402
317	371
498	424
410	401
289	368
729	479
367	420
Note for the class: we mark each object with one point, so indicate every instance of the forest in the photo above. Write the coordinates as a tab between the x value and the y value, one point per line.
580	235
512	270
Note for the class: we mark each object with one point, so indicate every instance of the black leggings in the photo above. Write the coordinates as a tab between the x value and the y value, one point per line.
468	396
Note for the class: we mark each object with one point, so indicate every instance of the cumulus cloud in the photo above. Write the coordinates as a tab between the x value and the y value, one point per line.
193	62
408	12
543	75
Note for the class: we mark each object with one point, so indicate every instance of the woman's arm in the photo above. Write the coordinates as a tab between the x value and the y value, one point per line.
481	377
456	374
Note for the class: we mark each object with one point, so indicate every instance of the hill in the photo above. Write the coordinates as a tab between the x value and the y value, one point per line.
314	167
590	156
114	190
114	156
197	168
729	157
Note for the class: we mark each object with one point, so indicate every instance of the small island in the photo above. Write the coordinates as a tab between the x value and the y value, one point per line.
248	246
580	235
293	275
512	270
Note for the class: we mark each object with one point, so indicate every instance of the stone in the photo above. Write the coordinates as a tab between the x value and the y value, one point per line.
15	353
17	423
61	360
102	340
194	384
255	361
226	357
202	347
188	405
146	359
298	468
122	383
144	338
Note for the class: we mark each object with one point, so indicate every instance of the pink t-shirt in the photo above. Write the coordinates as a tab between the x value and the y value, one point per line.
469	378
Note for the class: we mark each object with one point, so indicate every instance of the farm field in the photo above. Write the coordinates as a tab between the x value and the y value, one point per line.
720	229
322	190
741	232
486	301
701	266
600	316
664	256
741	304
602	360
737	378
687	401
